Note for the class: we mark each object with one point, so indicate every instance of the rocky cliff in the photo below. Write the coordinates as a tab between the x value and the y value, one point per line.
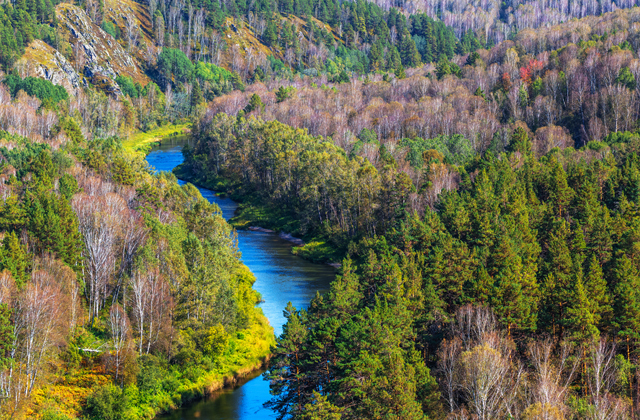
98	60
42	60
103	55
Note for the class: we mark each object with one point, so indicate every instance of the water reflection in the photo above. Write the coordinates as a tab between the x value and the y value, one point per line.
280	277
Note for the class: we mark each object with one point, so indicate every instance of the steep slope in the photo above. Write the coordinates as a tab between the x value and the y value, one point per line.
103	54
42	60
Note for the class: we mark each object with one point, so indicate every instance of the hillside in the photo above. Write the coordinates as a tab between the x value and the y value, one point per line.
473	169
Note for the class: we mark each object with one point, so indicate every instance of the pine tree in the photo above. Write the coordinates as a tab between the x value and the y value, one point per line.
558	273
580	321
376	57
6	335
321	409
519	141
514	295
15	258
560	194
598	294
286	368
523	96
408	52
393	59
270	34
255	103
626	320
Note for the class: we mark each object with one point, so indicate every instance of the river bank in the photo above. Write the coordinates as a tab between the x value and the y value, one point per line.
280	276
254	215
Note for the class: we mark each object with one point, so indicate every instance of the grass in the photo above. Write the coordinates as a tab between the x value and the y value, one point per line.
143	141
319	251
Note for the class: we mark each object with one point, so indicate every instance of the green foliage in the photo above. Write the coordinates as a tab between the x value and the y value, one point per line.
455	148
20	23
174	65
626	78
54	415
128	87
444	67
42	249
109	402
215	341
284	93
6	335
35	86
255	104
15	258
110	28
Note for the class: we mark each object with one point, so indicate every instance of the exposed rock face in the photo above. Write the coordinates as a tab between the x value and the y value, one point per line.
42	60
104	56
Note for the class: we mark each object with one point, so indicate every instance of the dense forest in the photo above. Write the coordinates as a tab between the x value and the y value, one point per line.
522	259
121	293
486	214
472	167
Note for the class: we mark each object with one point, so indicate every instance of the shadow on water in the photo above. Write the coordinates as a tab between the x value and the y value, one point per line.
281	277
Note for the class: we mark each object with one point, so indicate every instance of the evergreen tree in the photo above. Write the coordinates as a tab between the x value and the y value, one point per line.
520	142
286	368
626	321
598	294
15	258
255	104
393	59
376	56
6	335
580	322
321	409
409	54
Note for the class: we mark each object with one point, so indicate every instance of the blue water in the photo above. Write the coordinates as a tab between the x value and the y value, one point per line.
281	277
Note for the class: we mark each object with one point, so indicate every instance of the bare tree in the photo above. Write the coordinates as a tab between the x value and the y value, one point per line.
555	368
151	302
79	56
153	6
100	221
119	324
601	378
132	31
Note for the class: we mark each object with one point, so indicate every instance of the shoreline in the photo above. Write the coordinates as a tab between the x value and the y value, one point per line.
297	243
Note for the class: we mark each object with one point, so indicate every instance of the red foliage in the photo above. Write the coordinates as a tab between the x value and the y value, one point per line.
527	73
506	82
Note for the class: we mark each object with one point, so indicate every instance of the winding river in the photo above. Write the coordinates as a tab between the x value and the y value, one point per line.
280	277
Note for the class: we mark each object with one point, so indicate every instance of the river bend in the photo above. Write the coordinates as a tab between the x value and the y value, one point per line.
280	277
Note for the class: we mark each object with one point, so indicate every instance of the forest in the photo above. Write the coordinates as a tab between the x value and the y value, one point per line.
472	168
122	294
485	210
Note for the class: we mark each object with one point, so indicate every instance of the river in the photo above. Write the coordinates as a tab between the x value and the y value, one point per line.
281	277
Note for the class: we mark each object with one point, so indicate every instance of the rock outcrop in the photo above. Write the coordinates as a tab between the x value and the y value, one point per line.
104	56
44	61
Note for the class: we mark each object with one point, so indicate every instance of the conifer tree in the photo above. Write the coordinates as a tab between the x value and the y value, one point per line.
580	321
560	194
321	409
286	368
15	258
408	51
598	294
558	273
626	292
6	335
